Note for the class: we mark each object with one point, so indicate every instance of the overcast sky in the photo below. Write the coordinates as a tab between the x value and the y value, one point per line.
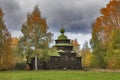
75	15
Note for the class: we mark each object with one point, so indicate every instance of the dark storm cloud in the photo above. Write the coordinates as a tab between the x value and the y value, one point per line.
75	15
79	28
13	14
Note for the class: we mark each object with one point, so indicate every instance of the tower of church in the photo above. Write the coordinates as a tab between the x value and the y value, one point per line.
68	57
63	44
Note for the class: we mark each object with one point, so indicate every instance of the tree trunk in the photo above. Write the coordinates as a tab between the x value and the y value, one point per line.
36	68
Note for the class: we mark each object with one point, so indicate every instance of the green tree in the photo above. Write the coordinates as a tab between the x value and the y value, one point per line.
6	56
98	56
35	38
115	42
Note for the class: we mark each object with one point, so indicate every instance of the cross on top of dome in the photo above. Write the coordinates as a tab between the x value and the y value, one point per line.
62	30
62	36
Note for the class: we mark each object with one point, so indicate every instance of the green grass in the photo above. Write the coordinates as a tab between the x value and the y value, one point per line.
59	75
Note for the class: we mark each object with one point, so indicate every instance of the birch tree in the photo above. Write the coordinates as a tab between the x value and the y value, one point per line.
35	34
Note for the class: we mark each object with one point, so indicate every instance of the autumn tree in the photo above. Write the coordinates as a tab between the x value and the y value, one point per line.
76	47
36	38
105	25
113	53
103	30
18	56
86	55
6	56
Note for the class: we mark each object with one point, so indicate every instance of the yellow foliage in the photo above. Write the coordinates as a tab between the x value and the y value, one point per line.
87	59
113	63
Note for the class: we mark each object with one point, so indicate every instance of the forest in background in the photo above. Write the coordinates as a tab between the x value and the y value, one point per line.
105	41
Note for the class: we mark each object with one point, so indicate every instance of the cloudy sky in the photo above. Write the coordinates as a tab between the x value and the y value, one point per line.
75	15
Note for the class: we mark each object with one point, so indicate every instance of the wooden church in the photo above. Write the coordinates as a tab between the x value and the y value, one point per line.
67	58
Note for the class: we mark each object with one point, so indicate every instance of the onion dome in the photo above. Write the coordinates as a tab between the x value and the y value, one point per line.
62	36
62	30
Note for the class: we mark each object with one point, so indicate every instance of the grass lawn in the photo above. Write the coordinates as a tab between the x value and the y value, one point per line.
59	75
